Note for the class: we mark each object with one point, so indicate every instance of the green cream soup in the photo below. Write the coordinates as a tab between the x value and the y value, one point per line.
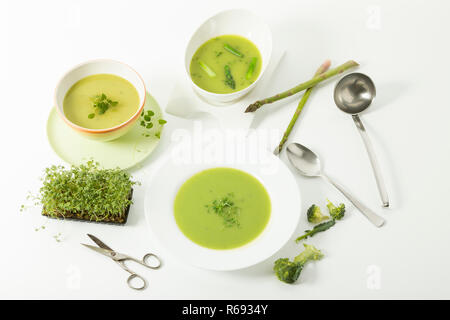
226	64
222	208
101	101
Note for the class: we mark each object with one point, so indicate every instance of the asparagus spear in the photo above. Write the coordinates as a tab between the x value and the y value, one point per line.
305	85
233	50
210	72
323	68
229	81
251	68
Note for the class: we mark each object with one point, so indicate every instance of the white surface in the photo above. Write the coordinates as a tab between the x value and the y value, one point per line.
284	217
400	44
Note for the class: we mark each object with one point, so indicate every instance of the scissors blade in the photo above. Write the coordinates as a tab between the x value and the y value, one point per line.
99	242
105	252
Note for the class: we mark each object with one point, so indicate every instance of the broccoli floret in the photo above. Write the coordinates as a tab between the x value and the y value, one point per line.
310	253
336	212
289	271
314	214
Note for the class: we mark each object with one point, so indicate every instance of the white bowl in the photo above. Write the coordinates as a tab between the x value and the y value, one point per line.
98	67
236	22
285	202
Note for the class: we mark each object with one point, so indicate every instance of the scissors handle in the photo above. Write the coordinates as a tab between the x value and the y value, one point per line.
146	261
150	260
132	284
131	281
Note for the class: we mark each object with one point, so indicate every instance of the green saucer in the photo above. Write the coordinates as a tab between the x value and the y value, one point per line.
124	152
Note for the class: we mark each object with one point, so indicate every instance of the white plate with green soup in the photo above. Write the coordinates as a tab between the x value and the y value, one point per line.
222	208
222	216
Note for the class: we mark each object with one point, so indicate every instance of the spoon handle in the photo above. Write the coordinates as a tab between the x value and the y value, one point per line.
368	213
373	160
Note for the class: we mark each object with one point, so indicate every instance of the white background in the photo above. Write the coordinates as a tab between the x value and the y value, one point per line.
402	45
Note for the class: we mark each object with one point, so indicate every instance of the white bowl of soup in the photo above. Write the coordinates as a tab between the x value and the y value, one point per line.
227	55
100	99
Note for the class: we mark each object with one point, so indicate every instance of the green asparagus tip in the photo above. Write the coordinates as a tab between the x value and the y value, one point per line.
210	72
229	80
233	50
251	68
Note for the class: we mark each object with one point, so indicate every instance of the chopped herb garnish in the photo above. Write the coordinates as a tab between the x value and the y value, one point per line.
227	210
147	123
57	237
91	115
102	103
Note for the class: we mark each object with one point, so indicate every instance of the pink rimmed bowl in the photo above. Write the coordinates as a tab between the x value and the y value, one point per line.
98	67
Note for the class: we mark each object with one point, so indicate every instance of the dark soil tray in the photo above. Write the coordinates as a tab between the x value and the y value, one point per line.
86	218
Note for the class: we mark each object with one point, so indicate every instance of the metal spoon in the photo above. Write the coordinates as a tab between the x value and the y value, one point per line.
353	94
308	163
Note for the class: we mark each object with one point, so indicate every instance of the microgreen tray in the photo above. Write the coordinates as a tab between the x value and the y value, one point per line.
86	218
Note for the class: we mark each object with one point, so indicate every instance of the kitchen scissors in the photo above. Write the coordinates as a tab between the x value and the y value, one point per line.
120	259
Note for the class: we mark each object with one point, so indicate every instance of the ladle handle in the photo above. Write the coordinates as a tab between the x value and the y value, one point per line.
368	213
373	160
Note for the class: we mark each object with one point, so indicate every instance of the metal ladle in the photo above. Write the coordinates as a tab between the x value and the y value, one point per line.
353	94
308	164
